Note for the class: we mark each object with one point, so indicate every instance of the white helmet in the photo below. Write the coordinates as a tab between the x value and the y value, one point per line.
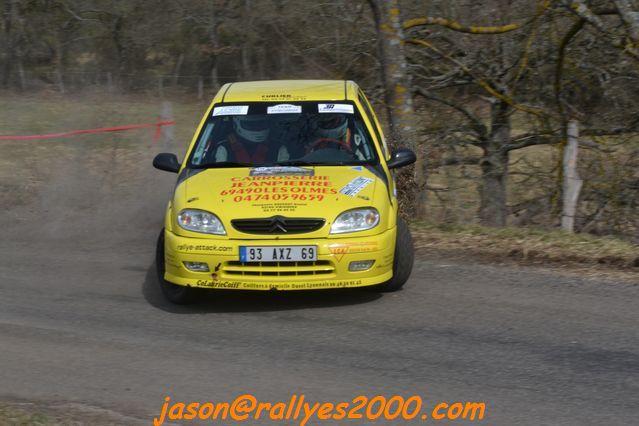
332	126
253	128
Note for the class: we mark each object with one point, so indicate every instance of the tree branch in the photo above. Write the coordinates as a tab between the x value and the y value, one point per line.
630	18
455	161
531	140
477	124
484	84
579	8
456	26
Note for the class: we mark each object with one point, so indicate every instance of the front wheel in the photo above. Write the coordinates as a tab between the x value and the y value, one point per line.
178	294
402	261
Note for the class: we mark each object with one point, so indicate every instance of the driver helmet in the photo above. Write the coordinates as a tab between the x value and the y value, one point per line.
332	126
253	128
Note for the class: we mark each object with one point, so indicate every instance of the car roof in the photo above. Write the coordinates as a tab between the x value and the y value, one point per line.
287	90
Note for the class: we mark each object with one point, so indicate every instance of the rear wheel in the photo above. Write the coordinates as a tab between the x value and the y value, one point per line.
402	261
178	294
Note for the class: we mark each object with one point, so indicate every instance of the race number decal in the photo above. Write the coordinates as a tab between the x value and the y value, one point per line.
355	186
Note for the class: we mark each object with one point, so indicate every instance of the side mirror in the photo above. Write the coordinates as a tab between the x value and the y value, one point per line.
167	162
401	157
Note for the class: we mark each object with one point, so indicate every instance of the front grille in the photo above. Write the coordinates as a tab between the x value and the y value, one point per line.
279	269
278	225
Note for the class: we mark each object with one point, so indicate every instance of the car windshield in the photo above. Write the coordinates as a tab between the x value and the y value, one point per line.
283	134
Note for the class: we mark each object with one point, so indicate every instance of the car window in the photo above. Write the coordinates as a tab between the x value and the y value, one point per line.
264	134
201	149
373	120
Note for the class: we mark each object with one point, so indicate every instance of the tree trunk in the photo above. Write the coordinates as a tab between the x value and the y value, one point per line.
398	94
246	46
494	167
14	40
215	45
7	51
397	82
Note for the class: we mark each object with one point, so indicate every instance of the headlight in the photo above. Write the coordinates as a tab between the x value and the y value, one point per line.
355	220
200	221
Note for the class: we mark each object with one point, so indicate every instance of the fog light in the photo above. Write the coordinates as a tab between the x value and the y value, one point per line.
196	266
360	265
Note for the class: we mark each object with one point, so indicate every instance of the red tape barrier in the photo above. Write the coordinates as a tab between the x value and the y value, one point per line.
156	136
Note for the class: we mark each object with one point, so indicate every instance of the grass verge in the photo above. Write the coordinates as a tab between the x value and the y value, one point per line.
14	416
530	246
60	414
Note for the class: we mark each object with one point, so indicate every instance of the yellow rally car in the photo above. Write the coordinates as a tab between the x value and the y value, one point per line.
287	185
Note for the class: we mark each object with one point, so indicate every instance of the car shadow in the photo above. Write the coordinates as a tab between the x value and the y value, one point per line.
224	301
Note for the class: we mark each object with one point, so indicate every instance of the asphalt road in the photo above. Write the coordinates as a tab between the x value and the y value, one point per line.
83	325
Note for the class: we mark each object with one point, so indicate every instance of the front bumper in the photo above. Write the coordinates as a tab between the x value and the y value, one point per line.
331	270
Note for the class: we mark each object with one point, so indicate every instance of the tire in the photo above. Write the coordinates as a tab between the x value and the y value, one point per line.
402	260
177	294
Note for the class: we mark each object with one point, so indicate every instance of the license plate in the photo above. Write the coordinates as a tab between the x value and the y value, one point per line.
278	253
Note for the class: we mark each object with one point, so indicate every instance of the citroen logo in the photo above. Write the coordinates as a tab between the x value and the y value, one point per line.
278	224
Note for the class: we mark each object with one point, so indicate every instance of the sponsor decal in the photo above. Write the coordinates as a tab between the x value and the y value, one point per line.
279	207
280	188
339	252
282	97
335	108
355	186
255	286
281	170
277	286
341	249
325	284
217	284
230	110
204	247
284	109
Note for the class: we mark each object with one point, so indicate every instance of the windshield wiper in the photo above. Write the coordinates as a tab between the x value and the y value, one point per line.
221	164
327	163
294	163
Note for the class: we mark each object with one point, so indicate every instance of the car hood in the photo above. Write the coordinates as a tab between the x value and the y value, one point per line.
293	192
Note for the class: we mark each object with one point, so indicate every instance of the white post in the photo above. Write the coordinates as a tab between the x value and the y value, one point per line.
161	86
167	133
571	183
200	88
58	75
